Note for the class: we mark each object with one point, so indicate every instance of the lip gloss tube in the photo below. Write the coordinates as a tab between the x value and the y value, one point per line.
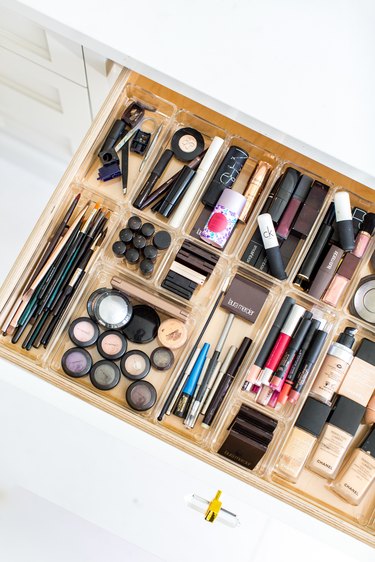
338	284
271	245
326	272
364	235
254	187
269	342
285	364
282	342
310	359
298	359
299	196
344	220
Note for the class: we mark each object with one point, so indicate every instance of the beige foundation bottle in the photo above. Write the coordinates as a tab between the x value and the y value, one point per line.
358	475
336	437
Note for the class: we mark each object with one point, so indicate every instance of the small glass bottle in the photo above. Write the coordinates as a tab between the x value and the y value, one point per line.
336	437
302	439
359	474
334	366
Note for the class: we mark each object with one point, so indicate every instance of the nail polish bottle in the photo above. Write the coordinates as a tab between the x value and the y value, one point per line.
334	366
223	218
359	473
364	235
340	281
336	437
302	439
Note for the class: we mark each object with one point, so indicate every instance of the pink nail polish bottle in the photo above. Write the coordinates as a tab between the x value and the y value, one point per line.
223	218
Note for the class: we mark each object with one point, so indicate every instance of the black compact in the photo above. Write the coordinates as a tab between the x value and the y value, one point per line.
187	144
144	325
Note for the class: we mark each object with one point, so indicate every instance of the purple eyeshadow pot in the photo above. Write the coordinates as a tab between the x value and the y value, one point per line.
76	362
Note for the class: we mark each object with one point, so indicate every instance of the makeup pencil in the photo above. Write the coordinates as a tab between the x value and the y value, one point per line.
156	173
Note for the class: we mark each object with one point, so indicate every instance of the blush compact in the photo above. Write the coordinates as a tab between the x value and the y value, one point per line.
105	375
144	325
187	144
141	395
83	332
135	365
76	362
112	345
110	308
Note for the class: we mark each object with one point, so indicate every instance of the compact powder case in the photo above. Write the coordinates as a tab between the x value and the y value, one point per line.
83	332
363	302
135	365
187	144
172	333
162	358
141	395
110	308
76	362
112	345
105	375
144	325
91	300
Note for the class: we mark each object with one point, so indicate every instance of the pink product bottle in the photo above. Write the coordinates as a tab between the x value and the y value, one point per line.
223	218
364	235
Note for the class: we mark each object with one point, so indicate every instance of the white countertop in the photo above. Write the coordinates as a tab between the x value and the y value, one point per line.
299	72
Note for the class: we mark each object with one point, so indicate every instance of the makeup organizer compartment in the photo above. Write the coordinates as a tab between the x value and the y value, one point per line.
263	430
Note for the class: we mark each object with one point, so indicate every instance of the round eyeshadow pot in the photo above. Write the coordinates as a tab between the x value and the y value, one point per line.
119	249
139	242
132	258
150	253
172	333
148	230
112	309
135	365
162	358
162	240
105	375
146	267
187	144
141	395
126	235
83	332
76	362
363	302
135	223
144	325
91	301
112	345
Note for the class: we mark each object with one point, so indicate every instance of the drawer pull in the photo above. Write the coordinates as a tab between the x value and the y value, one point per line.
213	510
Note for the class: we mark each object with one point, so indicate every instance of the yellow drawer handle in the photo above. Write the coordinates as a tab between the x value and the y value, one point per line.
214	508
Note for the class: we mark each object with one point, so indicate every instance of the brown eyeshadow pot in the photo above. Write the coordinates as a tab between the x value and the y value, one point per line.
141	395
135	365
112	345
162	358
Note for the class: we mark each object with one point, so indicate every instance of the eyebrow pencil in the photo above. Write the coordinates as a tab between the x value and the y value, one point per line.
156	173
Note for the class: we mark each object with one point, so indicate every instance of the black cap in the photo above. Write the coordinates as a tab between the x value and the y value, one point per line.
347	415
368	444
147	230
162	163
347	337
315	348
330	215
139	241
119	248
135	223
368	224
162	240
132	255
313	416
146	267
150	252
285	188
303	187
126	235
366	351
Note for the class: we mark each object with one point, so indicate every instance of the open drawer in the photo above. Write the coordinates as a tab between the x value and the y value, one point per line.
169	112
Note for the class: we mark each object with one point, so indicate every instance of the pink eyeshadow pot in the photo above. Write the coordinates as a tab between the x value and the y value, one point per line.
112	345
76	362
83	332
135	365
141	395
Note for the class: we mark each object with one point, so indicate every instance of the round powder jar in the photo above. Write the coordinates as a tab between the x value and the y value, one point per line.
187	144
363	302
112	345
83	332
162	358
76	362
172	333
112	309
135	365
105	375
141	395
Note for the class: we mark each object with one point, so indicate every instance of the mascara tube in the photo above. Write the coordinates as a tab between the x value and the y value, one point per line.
156	173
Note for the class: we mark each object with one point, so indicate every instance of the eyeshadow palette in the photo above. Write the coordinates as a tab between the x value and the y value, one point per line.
212	350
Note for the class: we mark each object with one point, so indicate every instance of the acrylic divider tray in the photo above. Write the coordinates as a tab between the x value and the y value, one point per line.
310	493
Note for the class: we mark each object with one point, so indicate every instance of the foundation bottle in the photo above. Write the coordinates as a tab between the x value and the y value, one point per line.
359	474
336	437
302	439
359	381
334	367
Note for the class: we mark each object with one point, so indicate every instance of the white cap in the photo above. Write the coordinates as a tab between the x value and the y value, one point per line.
343	209
267	231
291	322
211	154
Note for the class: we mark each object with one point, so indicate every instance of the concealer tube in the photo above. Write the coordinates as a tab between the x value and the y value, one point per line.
254	188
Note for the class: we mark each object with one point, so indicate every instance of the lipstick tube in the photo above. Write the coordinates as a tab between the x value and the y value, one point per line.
299	196
309	361
254	187
271	245
285	188
282	343
344	220
285	364
269	342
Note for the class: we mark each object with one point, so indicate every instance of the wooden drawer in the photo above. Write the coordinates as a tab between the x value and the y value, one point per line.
310	495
